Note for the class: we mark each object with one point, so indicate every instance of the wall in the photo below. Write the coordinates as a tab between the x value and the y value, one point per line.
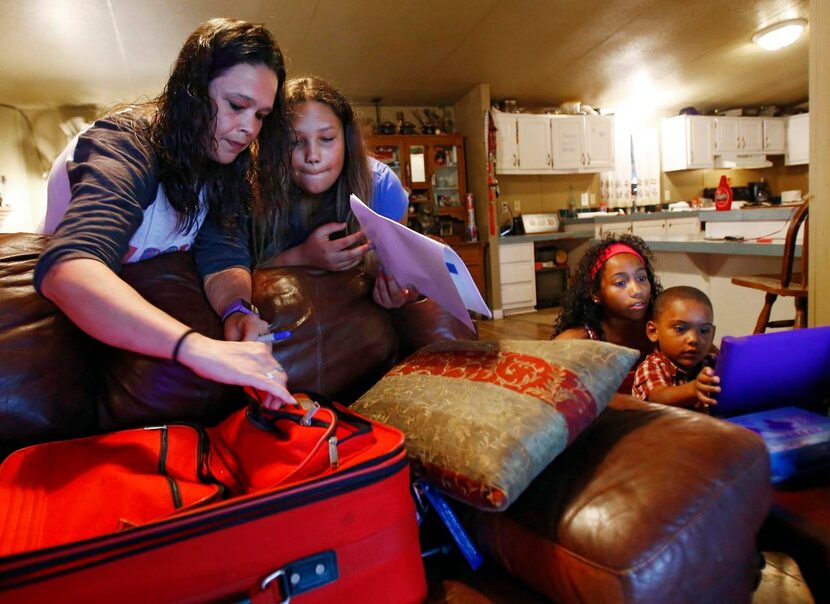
686	184
544	193
25	158
819	252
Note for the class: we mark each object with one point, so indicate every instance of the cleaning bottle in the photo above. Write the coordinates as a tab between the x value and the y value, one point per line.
723	195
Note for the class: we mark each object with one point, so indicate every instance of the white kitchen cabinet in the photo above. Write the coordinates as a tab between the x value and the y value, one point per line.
649	228
602	228
566	133
507	141
553	144
687	225
534	142
584	143
599	142
798	140
687	142
775	135
517	277
739	135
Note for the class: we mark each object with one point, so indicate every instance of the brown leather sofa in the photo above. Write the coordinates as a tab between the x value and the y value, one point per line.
649	504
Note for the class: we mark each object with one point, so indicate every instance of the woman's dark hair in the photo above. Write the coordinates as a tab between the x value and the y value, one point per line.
356	176
182	127
578	307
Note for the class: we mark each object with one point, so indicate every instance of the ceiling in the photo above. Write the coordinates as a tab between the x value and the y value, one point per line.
665	53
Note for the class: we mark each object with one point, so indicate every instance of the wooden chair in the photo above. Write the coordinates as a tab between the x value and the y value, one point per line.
785	284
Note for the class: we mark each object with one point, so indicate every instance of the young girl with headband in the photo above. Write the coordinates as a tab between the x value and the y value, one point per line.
612	295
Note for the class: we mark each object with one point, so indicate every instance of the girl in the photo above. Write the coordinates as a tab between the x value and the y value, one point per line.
328	163
612	295
140	182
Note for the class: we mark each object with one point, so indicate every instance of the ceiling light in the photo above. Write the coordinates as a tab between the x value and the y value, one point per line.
779	35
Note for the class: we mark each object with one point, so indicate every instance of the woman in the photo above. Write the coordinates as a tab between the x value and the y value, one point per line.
328	163
612	295
140	183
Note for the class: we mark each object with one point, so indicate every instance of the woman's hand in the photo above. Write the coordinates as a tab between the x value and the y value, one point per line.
333	255
389	294
240	327
239	364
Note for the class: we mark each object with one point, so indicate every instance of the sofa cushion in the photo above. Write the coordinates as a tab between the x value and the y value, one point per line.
342	341
650	504
482	419
140	390
47	365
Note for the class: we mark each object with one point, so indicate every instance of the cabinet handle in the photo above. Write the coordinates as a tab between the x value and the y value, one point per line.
550	163
589	159
583	159
514	159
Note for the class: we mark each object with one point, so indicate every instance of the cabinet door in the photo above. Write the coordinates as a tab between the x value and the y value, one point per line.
726	134
648	228
700	143
534	142
603	228
566	141
507	142
599	142
798	140
390	153
775	135
448	179
751	134
683	226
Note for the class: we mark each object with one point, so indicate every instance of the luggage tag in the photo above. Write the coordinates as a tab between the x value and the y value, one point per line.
450	520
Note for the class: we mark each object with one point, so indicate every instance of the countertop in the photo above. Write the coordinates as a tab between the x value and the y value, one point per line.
744	214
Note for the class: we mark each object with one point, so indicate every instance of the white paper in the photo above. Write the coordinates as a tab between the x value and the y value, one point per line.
414	259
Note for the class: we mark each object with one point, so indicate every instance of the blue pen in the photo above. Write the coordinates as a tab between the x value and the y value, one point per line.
276	336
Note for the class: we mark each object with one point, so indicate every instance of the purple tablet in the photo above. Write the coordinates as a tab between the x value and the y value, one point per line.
786	368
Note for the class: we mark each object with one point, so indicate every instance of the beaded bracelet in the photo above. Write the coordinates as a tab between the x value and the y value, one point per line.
179	343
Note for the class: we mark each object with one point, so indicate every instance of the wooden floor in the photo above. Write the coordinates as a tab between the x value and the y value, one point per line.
781	582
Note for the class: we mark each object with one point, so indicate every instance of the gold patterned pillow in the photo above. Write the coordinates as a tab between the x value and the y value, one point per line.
482	419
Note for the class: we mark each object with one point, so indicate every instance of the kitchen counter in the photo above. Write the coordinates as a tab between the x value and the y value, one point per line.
586	233
691	244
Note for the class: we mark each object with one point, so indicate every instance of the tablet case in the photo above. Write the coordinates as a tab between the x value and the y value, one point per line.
769	370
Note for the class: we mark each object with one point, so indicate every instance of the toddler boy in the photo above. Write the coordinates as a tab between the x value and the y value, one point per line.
679	372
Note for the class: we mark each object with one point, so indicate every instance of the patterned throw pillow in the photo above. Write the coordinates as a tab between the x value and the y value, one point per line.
482	419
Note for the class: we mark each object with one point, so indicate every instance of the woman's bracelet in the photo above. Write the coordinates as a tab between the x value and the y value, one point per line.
179	344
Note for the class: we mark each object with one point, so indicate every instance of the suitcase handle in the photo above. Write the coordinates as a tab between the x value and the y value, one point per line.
297	577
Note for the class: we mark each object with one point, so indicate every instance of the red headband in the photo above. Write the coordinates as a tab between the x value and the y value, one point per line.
613	250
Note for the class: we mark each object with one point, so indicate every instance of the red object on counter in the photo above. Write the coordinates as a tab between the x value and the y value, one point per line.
723	195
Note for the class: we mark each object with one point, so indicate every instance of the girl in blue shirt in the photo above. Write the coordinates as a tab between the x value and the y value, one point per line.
328	163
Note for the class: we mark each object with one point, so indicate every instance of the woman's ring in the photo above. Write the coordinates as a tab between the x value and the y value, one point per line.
270	374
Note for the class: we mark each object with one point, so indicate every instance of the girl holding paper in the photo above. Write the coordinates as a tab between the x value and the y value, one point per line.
328	163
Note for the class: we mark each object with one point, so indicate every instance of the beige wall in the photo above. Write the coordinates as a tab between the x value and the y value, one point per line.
544	193
819	310
686	184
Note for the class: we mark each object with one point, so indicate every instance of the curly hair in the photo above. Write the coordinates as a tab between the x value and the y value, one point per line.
578	307
355	177
185	112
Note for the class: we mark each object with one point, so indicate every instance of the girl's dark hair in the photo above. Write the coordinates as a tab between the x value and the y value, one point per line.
356	176
182	127
578	307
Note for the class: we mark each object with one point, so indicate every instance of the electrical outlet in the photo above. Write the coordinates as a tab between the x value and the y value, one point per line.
505	209
667	196
517	206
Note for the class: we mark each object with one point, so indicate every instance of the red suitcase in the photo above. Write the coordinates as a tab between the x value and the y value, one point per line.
348	534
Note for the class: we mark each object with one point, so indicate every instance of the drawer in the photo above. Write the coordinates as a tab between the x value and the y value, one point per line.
517	272
523	294
683	226
516	252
